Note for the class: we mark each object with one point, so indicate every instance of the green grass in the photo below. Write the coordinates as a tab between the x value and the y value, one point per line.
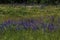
30	35
20	12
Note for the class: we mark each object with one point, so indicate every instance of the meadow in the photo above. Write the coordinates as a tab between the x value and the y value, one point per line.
29	23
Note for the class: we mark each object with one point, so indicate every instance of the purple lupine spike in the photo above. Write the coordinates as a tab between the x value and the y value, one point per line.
26	24
4	24
10	21
34	21
34	27
7	23
31	20
50	27
1	27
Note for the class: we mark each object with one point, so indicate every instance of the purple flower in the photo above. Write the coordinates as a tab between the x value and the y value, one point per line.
34	27
8	22
50	27
1	27
32	21
26	24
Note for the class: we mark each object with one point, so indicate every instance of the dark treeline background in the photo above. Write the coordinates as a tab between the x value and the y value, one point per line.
30	1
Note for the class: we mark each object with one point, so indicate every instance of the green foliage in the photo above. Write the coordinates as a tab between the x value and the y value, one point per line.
44	1
28	12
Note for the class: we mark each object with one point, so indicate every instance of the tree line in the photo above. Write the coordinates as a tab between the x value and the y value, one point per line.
31	1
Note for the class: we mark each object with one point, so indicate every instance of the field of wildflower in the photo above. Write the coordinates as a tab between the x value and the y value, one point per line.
29	23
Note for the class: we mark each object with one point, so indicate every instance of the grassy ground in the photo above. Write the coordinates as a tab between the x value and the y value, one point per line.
21	12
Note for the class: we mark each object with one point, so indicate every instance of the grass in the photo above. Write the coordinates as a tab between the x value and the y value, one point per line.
20	12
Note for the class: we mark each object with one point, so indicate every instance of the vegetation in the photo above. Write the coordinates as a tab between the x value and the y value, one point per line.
29	23
31	1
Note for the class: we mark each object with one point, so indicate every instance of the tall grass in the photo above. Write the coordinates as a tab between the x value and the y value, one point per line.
48	15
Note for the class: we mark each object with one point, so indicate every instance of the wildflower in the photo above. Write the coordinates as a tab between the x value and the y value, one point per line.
1	27
50	27
34	27
26	24
6	23
31	20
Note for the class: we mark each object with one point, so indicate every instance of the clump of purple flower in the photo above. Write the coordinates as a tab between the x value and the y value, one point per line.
26	24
